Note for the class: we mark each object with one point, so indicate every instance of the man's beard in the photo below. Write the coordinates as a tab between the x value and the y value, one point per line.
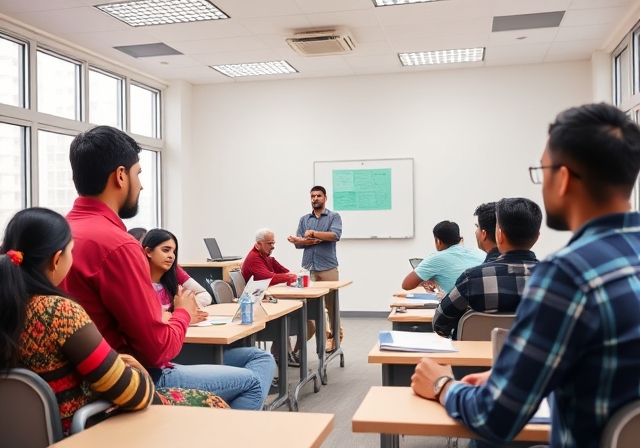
129	209
556	221
316	205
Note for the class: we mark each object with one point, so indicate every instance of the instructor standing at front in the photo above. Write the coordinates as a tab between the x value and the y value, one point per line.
317	234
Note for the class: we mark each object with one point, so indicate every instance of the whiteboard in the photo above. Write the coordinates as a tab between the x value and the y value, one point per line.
374	197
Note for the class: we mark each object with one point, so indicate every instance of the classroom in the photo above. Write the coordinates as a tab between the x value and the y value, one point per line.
225	156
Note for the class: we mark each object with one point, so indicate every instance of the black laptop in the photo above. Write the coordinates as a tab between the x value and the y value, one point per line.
214	251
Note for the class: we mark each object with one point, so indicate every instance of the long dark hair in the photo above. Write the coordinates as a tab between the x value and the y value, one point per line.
38	233
153	239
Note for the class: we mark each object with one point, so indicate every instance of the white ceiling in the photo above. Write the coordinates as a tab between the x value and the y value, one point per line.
257	30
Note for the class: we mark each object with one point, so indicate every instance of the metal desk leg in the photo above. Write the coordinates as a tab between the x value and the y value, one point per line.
305	375
389	441
218	356
321	342
283	380
336	338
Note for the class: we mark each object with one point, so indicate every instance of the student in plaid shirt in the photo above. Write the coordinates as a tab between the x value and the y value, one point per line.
496	286
577	331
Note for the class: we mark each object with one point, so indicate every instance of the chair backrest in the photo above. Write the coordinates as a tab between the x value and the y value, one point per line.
29	414
623	428
477	326
222	292
498	336
237	282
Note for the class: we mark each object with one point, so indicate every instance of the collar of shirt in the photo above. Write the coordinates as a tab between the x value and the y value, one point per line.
517	255
94	206
605	223
325	212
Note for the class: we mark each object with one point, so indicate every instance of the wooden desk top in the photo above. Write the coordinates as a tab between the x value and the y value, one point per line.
397	410
416	290
288	292
331	284
190	426
213	264
274	310
221	334
470	353
412	315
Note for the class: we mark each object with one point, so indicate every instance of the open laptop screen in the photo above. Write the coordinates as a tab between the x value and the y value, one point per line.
213	248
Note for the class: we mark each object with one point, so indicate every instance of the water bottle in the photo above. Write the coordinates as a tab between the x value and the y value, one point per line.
300	280
246	309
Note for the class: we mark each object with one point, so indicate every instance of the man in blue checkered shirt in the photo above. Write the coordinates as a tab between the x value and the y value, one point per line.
577	330
495	286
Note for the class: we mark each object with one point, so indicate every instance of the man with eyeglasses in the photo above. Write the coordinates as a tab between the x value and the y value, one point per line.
577	330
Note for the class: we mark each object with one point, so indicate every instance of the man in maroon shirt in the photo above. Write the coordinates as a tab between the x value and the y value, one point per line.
110	278
261	265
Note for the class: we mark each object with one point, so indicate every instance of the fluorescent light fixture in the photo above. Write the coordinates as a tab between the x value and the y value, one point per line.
399	2
162	12
442	56
255	69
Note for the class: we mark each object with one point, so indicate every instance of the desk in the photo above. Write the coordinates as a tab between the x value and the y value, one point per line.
186	426
397	367
271	326
207	273
391	411
416	290
415	319
333	286
317	314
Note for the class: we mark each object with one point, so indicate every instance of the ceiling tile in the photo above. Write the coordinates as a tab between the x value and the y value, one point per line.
243	9
194	47
440	43
438	29
352	19
599	16
517	51
313	6
277	25
583	4
369	34
513	7
433	12
238	57
210	29
373	61
10	7
566	33
74	20
534	36
584	47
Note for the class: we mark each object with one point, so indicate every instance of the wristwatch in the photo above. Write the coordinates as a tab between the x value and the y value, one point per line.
438	385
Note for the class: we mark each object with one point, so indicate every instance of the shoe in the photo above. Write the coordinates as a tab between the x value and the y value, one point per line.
294	359
330	346
275	382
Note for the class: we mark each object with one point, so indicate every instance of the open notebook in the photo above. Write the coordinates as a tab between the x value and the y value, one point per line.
256	290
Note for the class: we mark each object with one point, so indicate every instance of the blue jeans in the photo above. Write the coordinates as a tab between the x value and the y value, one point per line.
243	381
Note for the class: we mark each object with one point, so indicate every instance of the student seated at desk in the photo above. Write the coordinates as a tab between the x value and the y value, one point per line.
497	286
442	268
161	248
46	332
577	329
261	265
110	278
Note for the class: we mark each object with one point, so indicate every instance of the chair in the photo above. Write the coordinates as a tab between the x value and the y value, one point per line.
29	413
623	428
222	292
498	336
237	282
477	326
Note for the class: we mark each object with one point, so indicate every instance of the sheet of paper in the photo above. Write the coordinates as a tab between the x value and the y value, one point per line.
214	320
410	341
543	414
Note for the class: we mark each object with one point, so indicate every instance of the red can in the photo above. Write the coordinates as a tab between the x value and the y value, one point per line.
305	280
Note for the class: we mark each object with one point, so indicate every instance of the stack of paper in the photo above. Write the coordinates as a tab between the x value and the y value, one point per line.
409	341
543	414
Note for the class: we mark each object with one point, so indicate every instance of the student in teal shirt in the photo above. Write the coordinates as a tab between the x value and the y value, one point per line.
441	269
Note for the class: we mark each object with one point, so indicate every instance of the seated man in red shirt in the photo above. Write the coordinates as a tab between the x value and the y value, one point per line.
261	265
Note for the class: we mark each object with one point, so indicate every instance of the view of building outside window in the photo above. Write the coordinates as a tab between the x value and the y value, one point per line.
58	86
105	99
144	111
12	182
11	73
55	183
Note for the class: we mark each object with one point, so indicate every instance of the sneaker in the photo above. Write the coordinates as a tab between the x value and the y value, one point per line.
294	359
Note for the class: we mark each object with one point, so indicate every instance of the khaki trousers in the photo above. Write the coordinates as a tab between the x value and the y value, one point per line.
330	299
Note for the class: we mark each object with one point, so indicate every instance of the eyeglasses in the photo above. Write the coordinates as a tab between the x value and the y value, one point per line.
535	172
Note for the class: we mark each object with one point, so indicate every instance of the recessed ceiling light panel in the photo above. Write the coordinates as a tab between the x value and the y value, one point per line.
400	2
162	12
442	56
255	69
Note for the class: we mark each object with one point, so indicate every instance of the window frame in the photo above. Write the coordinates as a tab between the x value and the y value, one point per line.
122	96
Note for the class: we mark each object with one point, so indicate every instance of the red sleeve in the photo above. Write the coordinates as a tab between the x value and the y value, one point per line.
280	273
132	301
182	275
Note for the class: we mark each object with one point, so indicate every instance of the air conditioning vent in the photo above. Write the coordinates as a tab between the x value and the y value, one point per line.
323	42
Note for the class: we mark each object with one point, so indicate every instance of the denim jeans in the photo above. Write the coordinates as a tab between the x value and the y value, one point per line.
243	381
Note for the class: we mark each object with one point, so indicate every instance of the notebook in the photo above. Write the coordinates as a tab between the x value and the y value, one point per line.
410	341
214	251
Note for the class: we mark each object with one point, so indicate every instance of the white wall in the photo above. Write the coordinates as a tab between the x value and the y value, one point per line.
472	133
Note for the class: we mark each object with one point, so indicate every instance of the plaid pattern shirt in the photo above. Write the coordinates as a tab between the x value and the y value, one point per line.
577	334
494	287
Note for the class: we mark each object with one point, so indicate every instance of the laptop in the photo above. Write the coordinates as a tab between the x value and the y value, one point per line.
415	262
214	251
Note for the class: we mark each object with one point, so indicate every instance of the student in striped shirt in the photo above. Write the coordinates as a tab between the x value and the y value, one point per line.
577	329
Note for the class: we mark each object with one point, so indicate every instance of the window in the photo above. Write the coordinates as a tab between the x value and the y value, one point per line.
145	111
58	86
147	216
622	77
105	99
12	69
55	182
12	170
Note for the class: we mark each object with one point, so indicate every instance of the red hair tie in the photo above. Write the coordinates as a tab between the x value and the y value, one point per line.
15	256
